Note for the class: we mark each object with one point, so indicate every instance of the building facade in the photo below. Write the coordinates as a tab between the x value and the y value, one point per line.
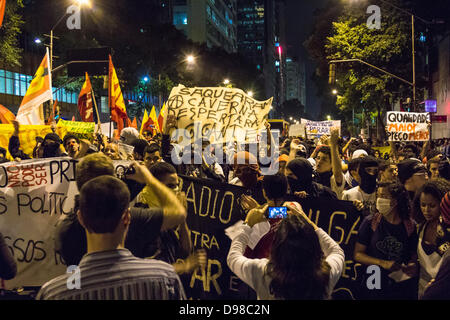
261	40
441	89
208	21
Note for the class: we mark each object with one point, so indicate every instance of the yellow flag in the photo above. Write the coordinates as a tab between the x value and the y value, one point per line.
144	121
154	119
40	90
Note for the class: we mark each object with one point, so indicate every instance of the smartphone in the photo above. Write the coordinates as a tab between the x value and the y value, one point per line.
277	212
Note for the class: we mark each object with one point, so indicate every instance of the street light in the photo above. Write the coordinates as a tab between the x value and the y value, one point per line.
335	92
80	3
250	93
190	59
226	81
329	117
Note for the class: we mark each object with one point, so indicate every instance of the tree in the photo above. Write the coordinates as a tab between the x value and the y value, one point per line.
10	52
361	87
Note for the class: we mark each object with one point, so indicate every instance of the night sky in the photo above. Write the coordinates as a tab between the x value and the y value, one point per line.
300	19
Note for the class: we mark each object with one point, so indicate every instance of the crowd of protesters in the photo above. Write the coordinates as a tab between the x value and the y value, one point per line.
130	237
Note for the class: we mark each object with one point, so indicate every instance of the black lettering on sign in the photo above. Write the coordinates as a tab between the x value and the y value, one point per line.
175	102
26	250
4	177
3	207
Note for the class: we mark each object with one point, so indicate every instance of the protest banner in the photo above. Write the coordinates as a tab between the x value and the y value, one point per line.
220	114
213	207
407	126
33	195
319	128
27	135
296	130
82	130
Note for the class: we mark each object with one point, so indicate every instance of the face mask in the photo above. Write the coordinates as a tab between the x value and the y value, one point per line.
384	205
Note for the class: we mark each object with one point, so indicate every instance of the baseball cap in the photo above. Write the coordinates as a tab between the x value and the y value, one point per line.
407	168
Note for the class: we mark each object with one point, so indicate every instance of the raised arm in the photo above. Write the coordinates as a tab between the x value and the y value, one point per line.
174	213
335	159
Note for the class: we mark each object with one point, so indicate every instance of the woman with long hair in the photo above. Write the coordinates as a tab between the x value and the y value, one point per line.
305	263
388	239
426	213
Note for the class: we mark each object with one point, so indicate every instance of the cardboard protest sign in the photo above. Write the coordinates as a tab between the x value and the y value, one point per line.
407	126
82	130
27	135
220	114
319	128
214	206
296	130
33	196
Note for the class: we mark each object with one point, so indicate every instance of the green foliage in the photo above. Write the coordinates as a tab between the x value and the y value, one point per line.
10	51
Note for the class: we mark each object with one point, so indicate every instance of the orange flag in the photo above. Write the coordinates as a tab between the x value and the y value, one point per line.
85	103
52	115
116	102
2	10
6	116
134	123
40	90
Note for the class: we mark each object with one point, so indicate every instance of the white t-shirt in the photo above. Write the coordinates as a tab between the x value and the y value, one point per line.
369	200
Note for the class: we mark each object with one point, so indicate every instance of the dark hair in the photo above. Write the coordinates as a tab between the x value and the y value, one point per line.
3	151
91	166
68	137
437	188
353	164
401	195
275	186
325	150
103	201
412	147
139	146
444	168
151	148
160	169
297	267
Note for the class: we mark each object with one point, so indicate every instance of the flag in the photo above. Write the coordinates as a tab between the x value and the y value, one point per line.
116	102
39	91
134	123
73	118
52	115
144	121
85	103
6	116
154	119
161	116
2	10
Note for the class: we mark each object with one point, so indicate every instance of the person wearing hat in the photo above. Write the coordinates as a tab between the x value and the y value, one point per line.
412	173
438	288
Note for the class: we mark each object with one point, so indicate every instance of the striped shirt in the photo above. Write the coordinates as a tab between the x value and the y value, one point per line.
116	275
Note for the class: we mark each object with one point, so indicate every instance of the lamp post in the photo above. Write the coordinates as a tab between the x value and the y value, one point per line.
412	43
80	3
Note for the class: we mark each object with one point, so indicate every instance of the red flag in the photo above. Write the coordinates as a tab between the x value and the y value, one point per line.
85	103
2	10
116	102
73	118
134	123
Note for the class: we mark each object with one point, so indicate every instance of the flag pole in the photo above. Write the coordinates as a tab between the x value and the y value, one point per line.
96	110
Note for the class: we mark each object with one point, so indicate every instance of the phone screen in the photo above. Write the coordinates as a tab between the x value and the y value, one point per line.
277	212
